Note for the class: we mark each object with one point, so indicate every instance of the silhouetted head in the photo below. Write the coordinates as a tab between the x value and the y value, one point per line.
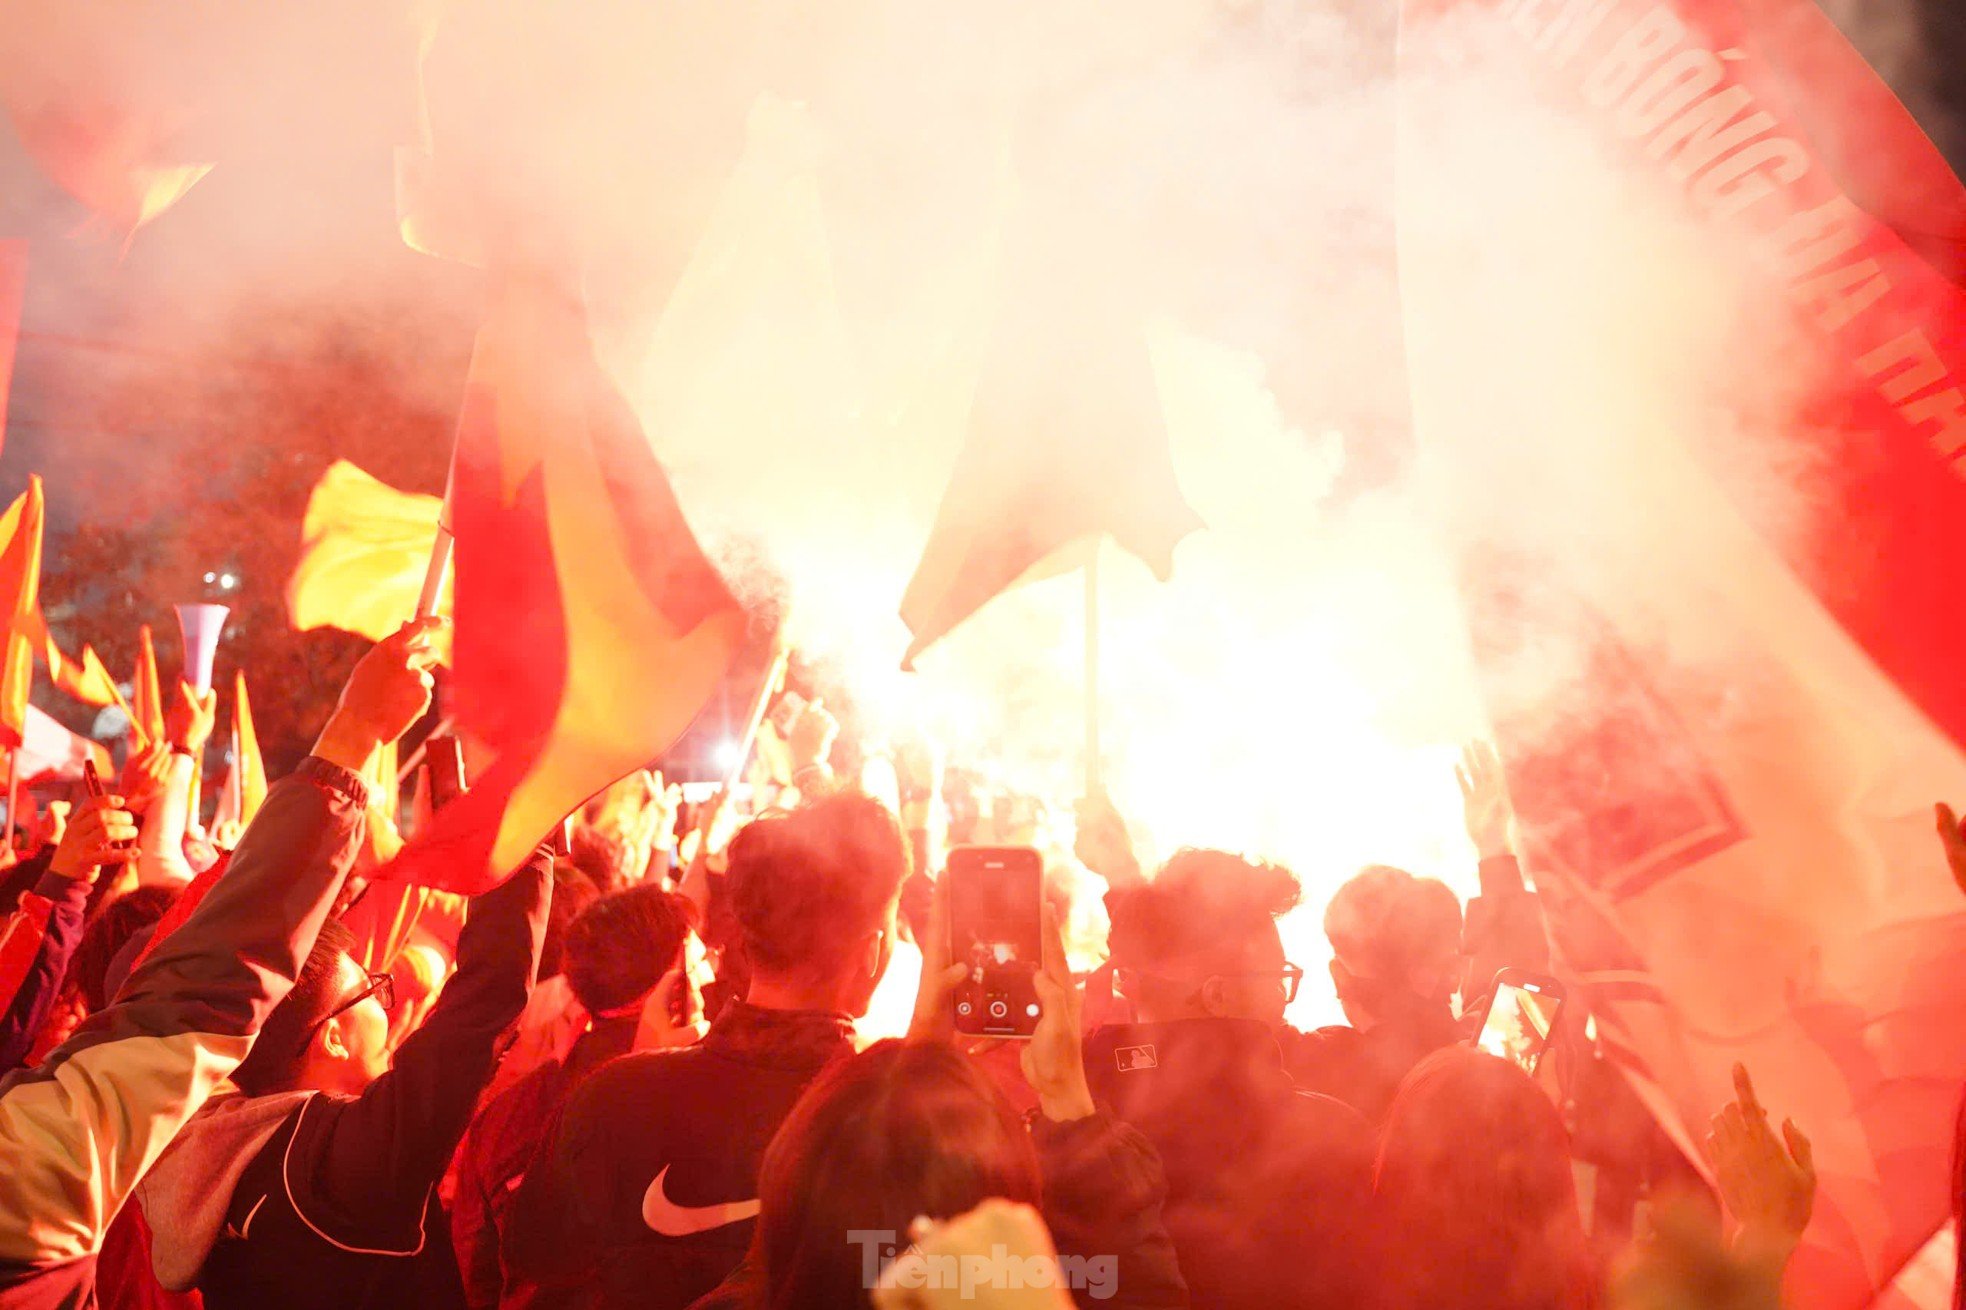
1476	1190
1395	939
814	894
902	1130
1201	940
331	1033
622	944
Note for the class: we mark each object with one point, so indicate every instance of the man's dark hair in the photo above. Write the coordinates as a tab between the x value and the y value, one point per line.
573	891
604	858
620	946
274	1065
1203	907
807	887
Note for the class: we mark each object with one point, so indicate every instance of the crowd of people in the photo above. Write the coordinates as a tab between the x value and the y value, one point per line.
248	1072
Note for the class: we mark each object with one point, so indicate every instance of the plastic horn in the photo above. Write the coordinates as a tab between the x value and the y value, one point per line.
200	625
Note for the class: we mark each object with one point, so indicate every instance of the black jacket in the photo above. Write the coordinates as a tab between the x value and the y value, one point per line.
1269	1186
335	1206
667	1139
501	1146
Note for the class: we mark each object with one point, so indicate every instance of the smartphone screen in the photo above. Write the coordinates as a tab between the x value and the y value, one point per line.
1521	1018
994	927
444	758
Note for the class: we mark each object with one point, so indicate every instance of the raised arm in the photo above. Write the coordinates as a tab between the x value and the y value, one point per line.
79	1132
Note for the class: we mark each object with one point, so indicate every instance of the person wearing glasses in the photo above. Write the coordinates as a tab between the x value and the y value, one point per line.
316	1184
1267	1183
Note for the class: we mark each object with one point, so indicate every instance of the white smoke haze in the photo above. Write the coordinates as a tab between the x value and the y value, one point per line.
801	223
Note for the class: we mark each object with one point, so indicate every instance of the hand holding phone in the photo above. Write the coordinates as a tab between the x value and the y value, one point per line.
996	928
1521	1018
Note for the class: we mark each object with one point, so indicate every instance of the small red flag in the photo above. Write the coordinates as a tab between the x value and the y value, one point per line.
20	587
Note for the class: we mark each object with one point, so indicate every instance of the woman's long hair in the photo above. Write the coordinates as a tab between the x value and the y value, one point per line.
1476	1192
904	1129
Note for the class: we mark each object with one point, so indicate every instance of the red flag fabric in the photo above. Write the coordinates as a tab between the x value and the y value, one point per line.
1067	441
147	721
1727	697
244	784
590	628
13	290
20	592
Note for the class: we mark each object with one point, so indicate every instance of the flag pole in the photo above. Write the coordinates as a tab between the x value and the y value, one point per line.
1093	772
767	692
439	570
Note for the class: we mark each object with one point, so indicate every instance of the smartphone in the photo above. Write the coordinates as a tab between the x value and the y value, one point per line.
443	757
995	894
1521	1018
93	781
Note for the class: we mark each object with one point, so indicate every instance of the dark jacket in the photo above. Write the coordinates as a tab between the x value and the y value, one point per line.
33	965
1364	1067
182	1022
646	1192
501	1145
1103	1193
327	1200
1268	1185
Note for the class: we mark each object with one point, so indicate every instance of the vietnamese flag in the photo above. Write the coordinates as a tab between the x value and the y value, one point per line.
86	680
590	628
147	721
20	588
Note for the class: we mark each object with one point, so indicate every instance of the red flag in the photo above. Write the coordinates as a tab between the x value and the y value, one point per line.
13	288
147	721
1724	734
1067	441
244	785
20	588
590	628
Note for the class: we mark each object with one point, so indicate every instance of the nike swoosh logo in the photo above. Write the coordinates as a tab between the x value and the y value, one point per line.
672	1220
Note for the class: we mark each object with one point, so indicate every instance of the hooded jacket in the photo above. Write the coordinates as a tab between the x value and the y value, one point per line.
318	1199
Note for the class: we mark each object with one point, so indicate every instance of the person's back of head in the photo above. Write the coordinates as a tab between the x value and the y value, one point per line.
904	1129
1474	1184
621	945
1200	939
814	894
573	891
1395	941
330	1033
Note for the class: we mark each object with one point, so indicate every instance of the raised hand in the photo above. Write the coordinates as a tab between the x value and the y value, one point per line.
1954	842
935	1014
189	721
102	832
388	691
988	1233
1767	1184
144	775
1484	799
811	738
1053	1060
1102	844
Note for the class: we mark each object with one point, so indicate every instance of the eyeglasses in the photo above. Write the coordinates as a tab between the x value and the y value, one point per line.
382	986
